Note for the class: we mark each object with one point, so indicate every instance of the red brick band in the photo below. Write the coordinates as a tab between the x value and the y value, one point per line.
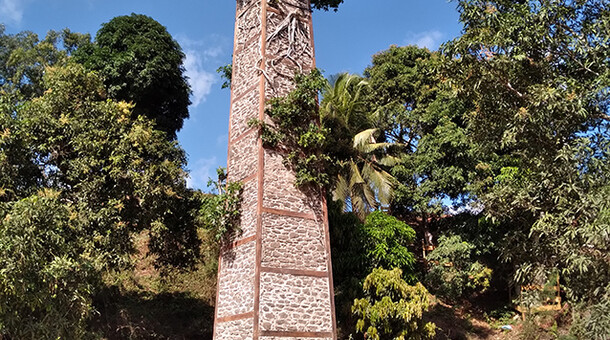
273	10
249	178
289	213
329	263
289	334
247	43
295	272
261	168
236	317
243	135
247	91
238	243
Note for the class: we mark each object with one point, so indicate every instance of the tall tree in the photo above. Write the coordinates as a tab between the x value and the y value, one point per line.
412	108
538	73
363	181
98	175
140	62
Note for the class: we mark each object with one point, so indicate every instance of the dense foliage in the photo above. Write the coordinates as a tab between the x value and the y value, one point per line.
47	280
410	106
24	57
385	244
80	175
454	273
325	144
140	62
358	248
326	4
538	74
392	309
297	131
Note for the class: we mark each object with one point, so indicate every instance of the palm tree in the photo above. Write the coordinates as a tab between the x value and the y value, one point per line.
363	184
343	102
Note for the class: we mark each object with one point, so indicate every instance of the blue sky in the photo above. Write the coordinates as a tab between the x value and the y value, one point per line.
345	42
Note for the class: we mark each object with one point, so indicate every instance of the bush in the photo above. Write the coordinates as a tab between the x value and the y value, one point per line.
392	309
47	277
453	273
592	322
385	243
100	178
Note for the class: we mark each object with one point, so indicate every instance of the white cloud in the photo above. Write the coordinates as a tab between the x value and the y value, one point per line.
213	52
202	60
428	39
202	171
11	11
201	81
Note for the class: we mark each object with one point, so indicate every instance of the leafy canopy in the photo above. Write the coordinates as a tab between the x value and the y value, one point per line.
412	108
140	62
24	56
538	74
96	175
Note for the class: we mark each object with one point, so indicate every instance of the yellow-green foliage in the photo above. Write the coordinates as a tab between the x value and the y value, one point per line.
392	309
102	176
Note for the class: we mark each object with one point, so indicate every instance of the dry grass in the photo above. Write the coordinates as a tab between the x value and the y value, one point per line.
144	303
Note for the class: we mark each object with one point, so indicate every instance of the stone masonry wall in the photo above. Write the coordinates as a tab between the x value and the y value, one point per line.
295	303
275	276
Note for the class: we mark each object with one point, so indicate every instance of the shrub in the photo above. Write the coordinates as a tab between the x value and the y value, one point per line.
47	277
385	243
392	309
592	321
453	273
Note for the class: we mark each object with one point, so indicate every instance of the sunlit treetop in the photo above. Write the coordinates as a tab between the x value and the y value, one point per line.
326	4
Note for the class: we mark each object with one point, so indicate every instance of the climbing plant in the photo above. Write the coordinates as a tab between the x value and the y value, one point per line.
296	130
221	212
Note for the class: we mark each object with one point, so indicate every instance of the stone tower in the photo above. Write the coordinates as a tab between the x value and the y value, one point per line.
275	276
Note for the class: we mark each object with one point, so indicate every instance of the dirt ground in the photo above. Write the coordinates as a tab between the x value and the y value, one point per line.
470	322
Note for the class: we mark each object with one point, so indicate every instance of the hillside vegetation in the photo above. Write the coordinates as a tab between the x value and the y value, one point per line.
468	187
